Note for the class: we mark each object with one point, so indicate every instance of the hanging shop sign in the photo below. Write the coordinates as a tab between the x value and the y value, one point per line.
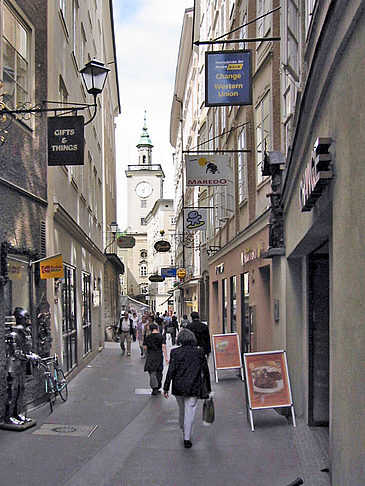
65	140
126	241
51	267
228	78
156	278
267	381
226	352
316	176
168	272
181	272
206	171
162	246
196	219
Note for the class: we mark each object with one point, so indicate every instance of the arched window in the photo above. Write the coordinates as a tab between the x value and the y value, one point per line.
143	253
143	269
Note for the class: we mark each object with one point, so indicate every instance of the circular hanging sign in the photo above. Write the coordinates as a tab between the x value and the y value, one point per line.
156	278
181	272
162	246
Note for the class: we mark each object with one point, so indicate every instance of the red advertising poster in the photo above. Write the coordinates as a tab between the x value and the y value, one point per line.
226	351
267	380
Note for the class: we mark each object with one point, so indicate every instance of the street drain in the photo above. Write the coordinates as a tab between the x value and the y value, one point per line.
66	430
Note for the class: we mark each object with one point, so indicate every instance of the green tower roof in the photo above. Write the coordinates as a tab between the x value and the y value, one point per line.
145	138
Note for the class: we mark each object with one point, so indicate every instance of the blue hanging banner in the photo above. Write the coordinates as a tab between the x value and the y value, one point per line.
228	78
168	272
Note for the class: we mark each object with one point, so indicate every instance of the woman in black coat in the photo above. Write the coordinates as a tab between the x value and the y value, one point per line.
189	373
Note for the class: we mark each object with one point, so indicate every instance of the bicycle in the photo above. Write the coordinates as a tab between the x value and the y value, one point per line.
54	379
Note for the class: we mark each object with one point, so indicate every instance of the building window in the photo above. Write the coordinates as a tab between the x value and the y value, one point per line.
69	324
262	121
242	168
143	253
263	24
233	295
143	270
293	36
15	59
172	220
245	311
75	16
143	222
143	203
62	92
17	288
224	305
86	311
144	289
309	11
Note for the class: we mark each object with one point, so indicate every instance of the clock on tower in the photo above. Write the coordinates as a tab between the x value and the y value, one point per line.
143	189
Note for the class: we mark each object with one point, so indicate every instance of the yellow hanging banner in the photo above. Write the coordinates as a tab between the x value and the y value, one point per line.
51	267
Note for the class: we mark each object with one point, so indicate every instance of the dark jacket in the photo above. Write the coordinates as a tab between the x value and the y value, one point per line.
186	364
202	336
154	359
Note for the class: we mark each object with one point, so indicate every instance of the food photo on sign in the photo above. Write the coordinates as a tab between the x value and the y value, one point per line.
267	379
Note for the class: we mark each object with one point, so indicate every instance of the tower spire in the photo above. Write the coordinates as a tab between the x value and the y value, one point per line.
145	138
144	145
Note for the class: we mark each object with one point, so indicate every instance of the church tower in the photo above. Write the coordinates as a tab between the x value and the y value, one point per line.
144	188
144	184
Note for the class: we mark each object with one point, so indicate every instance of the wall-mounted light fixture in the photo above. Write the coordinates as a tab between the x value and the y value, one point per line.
113	229
94	75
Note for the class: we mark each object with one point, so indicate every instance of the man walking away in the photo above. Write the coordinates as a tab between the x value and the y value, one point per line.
125	331
155	345
201	332
159	321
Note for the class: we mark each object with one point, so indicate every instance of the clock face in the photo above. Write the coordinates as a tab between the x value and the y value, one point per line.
144	189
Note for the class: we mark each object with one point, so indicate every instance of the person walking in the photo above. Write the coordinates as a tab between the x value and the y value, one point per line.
184	321
155	346
141	323
201	332
173	329
159	321
189	373
125	332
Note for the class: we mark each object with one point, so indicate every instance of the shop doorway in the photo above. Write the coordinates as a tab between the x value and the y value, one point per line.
318	282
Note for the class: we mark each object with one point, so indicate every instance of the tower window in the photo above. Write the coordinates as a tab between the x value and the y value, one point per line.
144	159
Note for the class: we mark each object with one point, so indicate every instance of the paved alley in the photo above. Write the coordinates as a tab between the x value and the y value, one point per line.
112	432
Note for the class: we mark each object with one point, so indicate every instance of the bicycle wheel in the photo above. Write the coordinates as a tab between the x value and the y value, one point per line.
50	391
61	384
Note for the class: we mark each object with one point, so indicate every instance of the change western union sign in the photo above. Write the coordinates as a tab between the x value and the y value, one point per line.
51	267
228	78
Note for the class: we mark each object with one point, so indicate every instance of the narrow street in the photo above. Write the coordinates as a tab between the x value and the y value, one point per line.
112	432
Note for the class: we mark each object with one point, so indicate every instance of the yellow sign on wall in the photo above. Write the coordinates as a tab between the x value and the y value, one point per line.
51	267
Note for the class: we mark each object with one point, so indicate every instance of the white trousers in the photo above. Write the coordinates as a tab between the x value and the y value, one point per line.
187	409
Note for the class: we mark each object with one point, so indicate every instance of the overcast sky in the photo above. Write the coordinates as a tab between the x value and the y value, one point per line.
147	34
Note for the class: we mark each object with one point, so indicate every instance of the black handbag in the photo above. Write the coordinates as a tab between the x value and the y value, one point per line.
208	411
